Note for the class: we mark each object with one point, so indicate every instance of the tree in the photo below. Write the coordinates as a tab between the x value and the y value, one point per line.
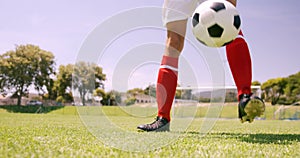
135	91
274	89
99	94
25	66
45	73
292	88
255	83
63	83
150	90
86	78
112	98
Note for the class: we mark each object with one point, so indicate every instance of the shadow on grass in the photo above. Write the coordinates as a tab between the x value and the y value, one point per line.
260	138
30	109
263	138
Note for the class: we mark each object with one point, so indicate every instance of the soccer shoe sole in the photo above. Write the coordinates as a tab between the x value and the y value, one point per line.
254	108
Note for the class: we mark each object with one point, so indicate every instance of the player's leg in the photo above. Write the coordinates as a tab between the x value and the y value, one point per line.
175	15
167	76
239	60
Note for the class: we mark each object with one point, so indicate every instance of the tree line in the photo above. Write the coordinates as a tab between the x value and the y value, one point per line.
283	90
30	66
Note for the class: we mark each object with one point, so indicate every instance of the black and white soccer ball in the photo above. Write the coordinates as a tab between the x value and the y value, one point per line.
216	23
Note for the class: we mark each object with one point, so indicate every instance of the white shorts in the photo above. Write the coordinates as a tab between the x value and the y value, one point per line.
174	10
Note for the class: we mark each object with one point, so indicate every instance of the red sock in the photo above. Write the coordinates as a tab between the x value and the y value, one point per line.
166	85
239	60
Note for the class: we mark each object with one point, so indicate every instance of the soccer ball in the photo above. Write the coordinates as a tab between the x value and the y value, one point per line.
216	23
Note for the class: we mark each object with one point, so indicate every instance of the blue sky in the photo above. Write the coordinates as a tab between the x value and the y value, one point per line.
271	27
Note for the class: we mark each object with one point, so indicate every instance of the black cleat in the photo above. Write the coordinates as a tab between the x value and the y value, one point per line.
250	107
159	125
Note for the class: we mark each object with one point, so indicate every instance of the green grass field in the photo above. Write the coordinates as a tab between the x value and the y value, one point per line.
63	133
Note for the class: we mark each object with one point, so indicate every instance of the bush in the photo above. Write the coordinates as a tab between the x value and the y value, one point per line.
130	101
